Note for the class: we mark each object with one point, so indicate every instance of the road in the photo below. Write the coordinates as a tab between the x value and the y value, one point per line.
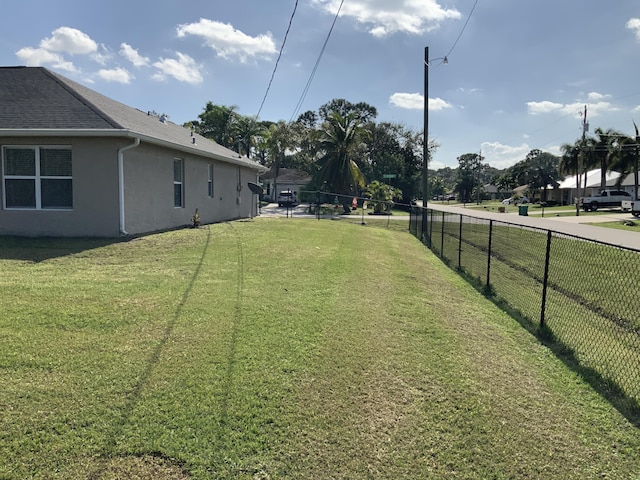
570	225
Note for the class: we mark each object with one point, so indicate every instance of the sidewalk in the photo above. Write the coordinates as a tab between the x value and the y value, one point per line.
571	225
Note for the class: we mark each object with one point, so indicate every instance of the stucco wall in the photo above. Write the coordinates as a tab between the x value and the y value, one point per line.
95	202
149	190
148	177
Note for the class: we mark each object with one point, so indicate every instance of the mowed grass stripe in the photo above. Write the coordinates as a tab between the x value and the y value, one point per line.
283	348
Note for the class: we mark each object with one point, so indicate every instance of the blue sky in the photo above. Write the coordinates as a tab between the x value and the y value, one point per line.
517	78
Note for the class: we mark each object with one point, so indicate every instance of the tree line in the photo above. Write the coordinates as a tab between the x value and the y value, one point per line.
346	151
607	150
341	146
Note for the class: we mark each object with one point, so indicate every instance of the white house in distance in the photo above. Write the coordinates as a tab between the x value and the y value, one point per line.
76	163
283	179
568	187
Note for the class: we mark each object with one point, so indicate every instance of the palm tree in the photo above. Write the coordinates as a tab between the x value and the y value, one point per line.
607	151
245	131
277	140
340	138
627	161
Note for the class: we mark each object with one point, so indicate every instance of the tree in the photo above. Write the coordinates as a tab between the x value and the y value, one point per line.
217	122
340	137
244	133
542	171
505	182
344	108
382	196
470	170
393	149
607	151
277	140
627	161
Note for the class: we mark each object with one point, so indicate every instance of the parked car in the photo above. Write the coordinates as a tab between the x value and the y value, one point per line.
287	198
515	200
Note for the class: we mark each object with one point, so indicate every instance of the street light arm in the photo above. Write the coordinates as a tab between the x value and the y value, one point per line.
445	61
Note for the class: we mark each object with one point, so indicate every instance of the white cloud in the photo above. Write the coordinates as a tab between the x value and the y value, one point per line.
502	156
102	56
131	54
634	24
36	57
184	69
415	101
119	75
536	108
228	42
597	104
69	40
385	18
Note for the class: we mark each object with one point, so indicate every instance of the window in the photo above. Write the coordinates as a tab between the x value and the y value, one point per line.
37	178
178	181
210	181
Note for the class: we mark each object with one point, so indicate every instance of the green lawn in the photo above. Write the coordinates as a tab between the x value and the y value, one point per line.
275	349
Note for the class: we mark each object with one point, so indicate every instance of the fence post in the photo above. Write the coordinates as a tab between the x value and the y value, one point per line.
430	228
442	237
545	279
488	285
460	245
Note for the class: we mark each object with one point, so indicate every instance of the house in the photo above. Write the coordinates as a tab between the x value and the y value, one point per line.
283	179
76	163
568	187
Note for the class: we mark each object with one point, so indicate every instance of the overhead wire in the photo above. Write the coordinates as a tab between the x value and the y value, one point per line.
463	29
284	41
315	68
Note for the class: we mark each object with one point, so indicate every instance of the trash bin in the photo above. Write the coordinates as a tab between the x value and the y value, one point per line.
523	210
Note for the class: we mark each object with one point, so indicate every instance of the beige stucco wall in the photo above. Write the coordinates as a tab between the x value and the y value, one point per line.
148	178
95	202
149	190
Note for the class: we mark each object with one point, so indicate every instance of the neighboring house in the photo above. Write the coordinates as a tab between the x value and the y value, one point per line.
569	192
76	163
285	179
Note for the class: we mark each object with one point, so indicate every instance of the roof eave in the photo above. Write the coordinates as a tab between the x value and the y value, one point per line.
114	133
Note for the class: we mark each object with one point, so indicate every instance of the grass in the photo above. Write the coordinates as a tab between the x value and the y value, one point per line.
279	349
627	225
591	306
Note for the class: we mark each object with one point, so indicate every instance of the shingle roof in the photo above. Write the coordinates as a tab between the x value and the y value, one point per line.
33	98
288	175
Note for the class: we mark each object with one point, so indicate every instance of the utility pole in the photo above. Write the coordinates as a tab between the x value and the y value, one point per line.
585	129
425	149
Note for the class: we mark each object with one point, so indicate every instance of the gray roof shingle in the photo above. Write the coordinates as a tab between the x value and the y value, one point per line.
33	98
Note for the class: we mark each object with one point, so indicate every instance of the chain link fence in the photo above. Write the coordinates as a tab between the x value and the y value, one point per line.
579	292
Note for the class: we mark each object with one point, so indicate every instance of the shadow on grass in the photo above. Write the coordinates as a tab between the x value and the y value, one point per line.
605	387
39	249
133	398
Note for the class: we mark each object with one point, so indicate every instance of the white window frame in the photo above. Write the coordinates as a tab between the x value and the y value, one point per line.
210	180
178	182
37	178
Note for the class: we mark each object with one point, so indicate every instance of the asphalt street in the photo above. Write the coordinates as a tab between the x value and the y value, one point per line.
570	225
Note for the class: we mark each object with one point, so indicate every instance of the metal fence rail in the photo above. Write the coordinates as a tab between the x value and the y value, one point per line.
583	292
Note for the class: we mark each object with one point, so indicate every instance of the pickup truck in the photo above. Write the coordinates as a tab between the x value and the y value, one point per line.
631	206
606	199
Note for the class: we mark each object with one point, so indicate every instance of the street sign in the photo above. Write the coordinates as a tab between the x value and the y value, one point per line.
389	175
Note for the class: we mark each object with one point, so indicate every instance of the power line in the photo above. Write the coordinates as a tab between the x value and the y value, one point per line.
295	7
315	68
463	29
